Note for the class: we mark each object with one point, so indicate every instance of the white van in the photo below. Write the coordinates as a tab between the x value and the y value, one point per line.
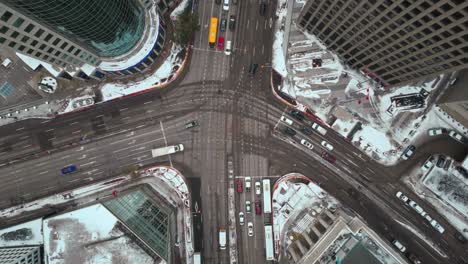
226	5
319	129
227	48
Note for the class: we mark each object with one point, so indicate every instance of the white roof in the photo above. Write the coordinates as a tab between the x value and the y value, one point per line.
88	69
33	63
6	62
465	163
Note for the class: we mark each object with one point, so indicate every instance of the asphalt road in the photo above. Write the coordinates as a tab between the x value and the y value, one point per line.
238	116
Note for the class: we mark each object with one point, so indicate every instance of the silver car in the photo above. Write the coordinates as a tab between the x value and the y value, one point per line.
250	228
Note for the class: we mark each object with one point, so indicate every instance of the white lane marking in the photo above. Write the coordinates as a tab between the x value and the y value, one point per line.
99	116
76	131
49	130
19	129
149	102
74	123
256	25
43	172
248	22
123	109
86	164
165	141
46	121
27	146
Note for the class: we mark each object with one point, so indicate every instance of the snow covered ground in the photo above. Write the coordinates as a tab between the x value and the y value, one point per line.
179	9
25	234
77	237
166	73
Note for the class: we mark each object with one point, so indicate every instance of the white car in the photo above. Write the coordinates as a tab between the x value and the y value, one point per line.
428	164
402	197
456	136
241	218
226	5
227	49
398	245
436	131
250	228
286	120
258	188
417	208
437	226
428	218
248	209
307	144
327	145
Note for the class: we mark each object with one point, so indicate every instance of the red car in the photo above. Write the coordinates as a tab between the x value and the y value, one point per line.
258	207
239	186
221	43
328	157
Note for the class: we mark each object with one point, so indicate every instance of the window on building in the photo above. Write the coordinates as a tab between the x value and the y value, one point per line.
56	41
6	16
19	21
34	43
42	46
39	33
77	52
2	40
45	57
64	45
38	54
21	48
24	39
30	51
29	28
15	34
70	49
49	36
12	44
4	30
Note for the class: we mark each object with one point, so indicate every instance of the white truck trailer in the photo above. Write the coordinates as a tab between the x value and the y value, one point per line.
158	152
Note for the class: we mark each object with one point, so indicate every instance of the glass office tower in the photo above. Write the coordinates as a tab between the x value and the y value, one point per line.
109	28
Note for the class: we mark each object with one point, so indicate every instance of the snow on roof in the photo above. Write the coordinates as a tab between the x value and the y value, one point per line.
32	238
115	90
179	9
465	163
124	62
373	137
88	69
34	63
6	62
278	61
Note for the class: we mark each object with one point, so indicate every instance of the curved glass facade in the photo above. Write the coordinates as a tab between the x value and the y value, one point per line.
107	27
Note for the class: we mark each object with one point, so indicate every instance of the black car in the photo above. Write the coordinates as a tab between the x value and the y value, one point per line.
306	131
298	115
222	27
440	162
289	131
253	68
232	23
460	238
263	7
191	124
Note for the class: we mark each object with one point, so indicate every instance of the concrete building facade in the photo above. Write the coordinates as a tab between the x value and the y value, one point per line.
20	255
394	42
84	32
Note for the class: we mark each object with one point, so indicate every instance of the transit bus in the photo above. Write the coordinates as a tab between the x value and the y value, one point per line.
213	32
266	196
269	250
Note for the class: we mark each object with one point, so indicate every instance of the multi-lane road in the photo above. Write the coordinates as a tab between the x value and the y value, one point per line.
238	116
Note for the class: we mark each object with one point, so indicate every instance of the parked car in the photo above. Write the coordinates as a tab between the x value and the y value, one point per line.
328	157
456	136
248	208
306	131
417	208
297	114
228	48
223	24
248	184
221	43
250	228
437	226
428	164
226	5
68	169
428	218
414	259
241	218
258	207
253	68
286	120
263	7
258	188
289	131
440	161
239	186
398	245
319	129
307	144
460	238
327	145
402	197
436	131
232	22
409	151
191	124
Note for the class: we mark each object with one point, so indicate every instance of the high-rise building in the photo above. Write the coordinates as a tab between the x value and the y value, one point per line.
394	42
79	32
20	255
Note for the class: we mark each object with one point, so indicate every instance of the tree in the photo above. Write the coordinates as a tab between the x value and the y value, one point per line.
185	27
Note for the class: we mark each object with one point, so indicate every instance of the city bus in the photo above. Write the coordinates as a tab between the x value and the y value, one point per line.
266	196
269	250
213	32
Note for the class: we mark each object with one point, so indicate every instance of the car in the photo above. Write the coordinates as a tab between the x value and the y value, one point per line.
453	81
327	145
286	120
414	259
68	169
307	144
306	131
437	226
319	129
258	207
436	131
226	5
428	218
289	131
250	228
456	136
427	164
218	2
248	208
402	197
328	157
228	48
253	68
298	115
232	23
221	43
191	124
248	181
222	25
417	208
239	186
241	218
258	188
409	151
460	238
399	246
263	7
440	161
